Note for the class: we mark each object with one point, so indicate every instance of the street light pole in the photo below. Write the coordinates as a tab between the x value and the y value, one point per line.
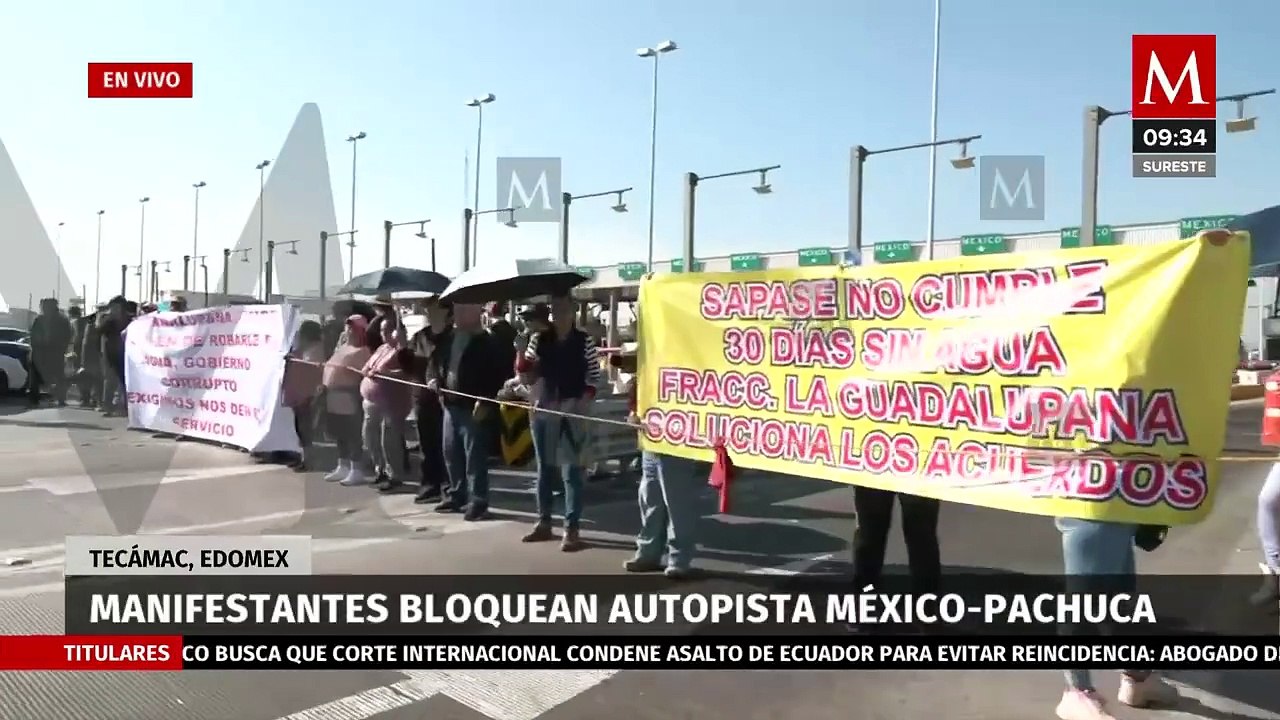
933	133
567	199
351	241
226	274
262	212
477	103
858	157
654	52
142	237
691	181
387	226
1094	116
195	234
97	265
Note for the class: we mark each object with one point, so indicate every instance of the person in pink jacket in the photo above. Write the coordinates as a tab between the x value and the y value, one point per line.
386	404
342	376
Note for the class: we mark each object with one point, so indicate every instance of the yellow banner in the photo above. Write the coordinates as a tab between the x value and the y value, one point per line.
1090	383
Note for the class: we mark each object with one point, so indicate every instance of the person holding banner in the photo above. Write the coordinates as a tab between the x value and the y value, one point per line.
873	508
566	362
1269	534
1092	551
51	336
386	405
341	380
302	383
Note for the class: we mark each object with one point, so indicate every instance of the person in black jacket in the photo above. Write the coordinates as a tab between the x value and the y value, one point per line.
111	326
51	336
469	363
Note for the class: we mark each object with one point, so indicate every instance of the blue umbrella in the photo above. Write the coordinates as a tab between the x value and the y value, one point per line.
396	280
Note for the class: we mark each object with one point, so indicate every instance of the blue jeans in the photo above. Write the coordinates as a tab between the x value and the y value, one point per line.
466	456
548	452
1269	518
668	510
1091	548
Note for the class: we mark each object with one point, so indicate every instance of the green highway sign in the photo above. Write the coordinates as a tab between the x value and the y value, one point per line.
586	272
746	262
632	271
809	257
677	265
1102	235
894	252
1193	226
989	244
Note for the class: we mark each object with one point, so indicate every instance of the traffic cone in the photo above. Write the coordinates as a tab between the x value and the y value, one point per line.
1271	414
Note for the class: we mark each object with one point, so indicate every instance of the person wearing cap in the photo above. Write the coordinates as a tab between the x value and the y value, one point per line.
566	363
386	400
51	336
466	368
427	406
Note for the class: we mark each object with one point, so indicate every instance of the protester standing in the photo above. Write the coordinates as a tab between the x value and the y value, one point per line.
668	497
90	376
303	373
1093	551
566	362
466	365
874	511
428	409
1269	535
386	405
51	336
111	331
341	378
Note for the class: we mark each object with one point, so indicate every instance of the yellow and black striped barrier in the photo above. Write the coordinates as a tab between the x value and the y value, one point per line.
517	440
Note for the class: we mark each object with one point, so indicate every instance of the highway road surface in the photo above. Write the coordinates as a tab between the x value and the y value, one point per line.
54	464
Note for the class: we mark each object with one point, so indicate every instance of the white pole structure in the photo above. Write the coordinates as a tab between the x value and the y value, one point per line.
933	135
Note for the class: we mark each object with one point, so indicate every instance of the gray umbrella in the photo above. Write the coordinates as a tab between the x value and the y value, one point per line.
395	280
512	280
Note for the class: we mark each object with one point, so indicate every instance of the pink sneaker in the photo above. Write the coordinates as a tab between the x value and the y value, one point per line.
1082	705
1148	692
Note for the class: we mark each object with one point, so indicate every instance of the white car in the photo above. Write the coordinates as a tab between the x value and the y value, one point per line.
15	359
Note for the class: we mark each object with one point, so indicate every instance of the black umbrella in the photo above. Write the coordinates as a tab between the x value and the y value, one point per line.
512	280
394	280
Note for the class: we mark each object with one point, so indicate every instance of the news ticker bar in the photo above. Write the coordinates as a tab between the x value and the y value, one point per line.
174	653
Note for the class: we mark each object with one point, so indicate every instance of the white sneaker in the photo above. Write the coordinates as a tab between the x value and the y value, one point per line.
340	472
354	477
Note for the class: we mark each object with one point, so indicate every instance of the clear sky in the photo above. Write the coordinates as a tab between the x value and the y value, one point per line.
754	83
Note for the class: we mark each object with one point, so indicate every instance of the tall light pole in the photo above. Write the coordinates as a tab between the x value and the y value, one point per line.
691	181
933	132
387	226
195	232
654	52
351	241
566	199
57	265
97	264
858	158
1095	115
478	103
142	242
262	213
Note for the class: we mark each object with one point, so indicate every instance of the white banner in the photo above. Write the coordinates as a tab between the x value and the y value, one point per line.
214	374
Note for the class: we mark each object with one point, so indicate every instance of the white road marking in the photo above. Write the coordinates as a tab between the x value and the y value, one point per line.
84	484
1217	703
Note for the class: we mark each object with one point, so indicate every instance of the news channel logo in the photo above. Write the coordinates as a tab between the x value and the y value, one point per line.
1012	187
530	185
